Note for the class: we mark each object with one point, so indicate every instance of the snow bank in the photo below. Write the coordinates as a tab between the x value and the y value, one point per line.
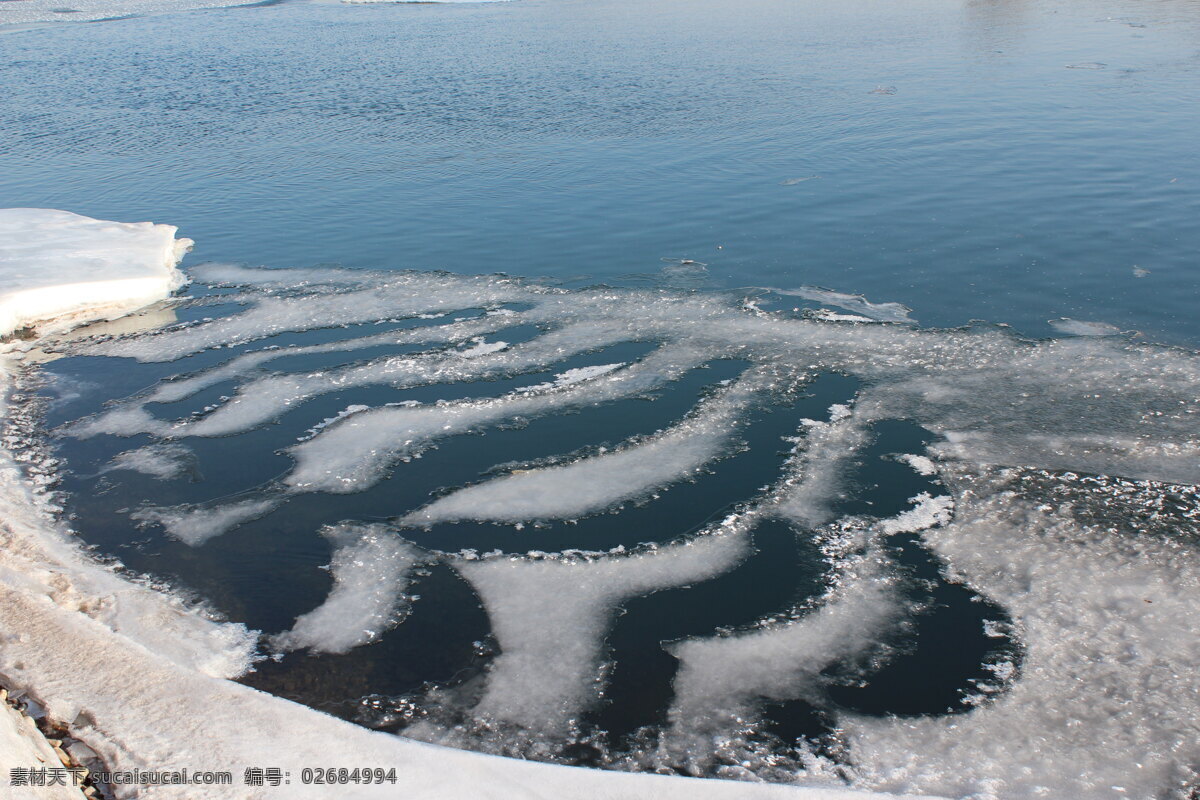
61	268
22	746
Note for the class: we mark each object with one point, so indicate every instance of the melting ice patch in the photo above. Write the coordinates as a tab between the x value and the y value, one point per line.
722	680
370	569
1100	598
881	312
196	525
1078	327
161	461
593	484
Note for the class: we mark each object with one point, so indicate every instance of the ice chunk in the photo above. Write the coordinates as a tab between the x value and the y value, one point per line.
64	269
370	567
927	512
922	464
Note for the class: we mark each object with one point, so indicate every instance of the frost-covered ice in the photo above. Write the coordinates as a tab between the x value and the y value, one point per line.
550	615
161	461
370	569
62	268
1099	609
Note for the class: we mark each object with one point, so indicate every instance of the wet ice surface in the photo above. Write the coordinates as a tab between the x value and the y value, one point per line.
953	562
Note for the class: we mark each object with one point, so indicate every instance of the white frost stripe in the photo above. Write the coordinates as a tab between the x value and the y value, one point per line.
593	484
354	453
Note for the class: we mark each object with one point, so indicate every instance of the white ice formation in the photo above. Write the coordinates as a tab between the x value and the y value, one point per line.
62	268
1078	327
880	312
550	616
161	461
370	569
1100	706
593	484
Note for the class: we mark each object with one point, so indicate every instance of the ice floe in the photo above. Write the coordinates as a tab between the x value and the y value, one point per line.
60	268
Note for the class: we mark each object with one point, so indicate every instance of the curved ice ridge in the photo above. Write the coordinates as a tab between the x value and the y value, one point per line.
370	571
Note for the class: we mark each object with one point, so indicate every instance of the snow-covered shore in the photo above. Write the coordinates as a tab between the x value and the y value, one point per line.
142	678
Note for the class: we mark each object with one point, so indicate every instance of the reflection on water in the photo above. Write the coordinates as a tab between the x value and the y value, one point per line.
568	139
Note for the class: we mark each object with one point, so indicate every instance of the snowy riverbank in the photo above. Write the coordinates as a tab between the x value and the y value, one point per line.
142	678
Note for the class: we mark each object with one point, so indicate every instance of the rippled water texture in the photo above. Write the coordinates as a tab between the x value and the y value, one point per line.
955	163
